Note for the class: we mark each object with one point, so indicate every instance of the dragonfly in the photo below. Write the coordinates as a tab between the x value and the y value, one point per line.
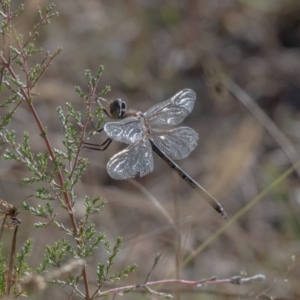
152	131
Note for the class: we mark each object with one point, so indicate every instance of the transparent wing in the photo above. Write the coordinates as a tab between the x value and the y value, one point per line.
172	111
176	143
128	130
136	158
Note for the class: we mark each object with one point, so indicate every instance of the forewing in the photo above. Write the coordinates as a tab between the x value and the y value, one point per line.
128	130
177	143
135	159
172	111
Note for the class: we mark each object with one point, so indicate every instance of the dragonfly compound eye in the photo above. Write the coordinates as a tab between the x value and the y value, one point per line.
117	109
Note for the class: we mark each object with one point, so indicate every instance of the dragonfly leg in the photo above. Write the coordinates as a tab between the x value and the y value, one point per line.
94	146
95	129
104	110
99	130
97	147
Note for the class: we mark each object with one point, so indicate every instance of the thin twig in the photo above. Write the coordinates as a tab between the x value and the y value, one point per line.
233	280
83	130
13	110
156	260
46	66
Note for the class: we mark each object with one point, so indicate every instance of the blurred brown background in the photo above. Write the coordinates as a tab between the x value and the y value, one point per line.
150	50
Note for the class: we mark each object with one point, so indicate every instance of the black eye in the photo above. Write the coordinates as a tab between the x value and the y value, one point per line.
117	109
114	108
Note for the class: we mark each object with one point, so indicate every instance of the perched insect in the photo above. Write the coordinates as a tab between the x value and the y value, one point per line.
150	131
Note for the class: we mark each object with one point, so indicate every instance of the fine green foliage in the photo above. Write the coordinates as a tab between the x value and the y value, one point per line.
52	174
103	270
53	256
21	265
2	272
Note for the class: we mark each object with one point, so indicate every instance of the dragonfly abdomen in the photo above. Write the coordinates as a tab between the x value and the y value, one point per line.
196	186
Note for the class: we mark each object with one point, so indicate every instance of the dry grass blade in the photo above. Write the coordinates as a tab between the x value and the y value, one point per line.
9	278
272	128
3	225
237	156
154	201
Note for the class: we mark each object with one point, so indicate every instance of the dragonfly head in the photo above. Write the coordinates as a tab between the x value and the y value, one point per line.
117	108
